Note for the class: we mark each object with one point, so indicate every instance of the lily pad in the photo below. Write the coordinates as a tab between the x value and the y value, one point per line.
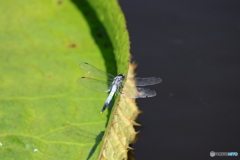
44	112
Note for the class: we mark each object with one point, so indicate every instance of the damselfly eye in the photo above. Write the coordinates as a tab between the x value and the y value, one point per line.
122	75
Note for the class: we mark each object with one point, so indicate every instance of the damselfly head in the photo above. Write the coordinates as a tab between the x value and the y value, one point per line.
122	75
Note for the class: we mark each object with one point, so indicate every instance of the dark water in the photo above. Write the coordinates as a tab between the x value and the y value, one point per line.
194	46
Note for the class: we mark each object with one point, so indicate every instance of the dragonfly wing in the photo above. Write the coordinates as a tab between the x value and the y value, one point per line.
139	92
93	71
145	92
95	85
146	81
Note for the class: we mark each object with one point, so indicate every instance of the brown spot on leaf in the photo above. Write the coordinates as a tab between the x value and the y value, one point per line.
73	45
59	2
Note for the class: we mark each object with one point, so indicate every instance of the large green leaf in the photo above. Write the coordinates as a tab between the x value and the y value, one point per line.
44	112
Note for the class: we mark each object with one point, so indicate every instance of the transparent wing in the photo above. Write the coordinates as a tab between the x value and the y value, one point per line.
145	92
131	92
146	81
94	84
93	71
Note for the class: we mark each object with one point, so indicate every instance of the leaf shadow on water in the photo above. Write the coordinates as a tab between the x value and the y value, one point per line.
104	43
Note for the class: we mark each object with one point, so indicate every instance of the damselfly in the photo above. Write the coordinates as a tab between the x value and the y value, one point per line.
109	83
